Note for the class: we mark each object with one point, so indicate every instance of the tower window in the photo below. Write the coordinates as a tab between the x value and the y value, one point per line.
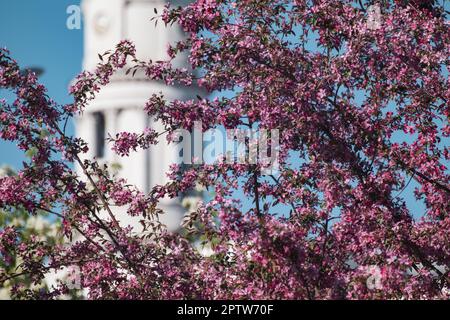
100	134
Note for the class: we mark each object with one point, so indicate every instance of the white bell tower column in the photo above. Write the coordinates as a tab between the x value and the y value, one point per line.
119	106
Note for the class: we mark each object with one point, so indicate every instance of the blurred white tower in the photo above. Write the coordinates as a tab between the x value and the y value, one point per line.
119	106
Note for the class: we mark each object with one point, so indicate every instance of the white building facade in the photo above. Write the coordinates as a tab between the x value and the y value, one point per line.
120	105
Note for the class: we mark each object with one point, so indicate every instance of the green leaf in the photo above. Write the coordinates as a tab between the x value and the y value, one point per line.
31	152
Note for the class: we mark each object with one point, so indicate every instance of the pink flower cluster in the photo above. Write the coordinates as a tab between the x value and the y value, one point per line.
125	142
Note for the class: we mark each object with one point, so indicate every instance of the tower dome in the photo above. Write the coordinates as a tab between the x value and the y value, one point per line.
120	105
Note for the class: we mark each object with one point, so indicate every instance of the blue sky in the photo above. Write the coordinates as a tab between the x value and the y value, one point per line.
36	34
